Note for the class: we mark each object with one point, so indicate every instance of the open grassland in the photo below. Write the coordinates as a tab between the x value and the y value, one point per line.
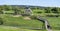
26	25
9	28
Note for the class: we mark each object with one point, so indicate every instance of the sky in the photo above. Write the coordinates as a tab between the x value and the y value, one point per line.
49	3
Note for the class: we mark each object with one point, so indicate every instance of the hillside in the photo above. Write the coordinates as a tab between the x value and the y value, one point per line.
14	16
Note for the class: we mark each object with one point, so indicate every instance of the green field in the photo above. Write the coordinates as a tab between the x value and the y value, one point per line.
20	23
23	18
9	28
27	25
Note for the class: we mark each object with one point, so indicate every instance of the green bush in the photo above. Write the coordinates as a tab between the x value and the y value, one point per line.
1	21
52	15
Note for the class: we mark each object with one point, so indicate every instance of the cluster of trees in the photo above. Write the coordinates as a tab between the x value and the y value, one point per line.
9	8
52	10
18	9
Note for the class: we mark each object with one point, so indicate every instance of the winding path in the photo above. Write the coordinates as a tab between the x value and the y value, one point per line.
47	26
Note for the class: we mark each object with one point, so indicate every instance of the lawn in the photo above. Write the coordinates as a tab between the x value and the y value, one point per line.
10	28
27	25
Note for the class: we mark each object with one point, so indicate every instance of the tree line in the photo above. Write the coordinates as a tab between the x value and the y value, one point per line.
17	10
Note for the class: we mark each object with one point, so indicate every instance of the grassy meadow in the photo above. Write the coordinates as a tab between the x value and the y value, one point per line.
14	21
27	25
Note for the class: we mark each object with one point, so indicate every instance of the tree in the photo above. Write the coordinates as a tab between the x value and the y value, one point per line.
54	10
48	10
1	10
16	11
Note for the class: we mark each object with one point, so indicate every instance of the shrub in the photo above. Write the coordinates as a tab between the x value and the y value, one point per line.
1	21
33	17
52	15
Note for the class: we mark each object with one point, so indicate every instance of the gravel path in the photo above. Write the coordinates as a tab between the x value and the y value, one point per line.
48	29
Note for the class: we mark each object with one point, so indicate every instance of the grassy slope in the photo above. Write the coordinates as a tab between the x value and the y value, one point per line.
54	22
20	22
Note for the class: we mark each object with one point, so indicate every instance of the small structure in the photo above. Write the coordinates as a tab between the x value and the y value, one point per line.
28	11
